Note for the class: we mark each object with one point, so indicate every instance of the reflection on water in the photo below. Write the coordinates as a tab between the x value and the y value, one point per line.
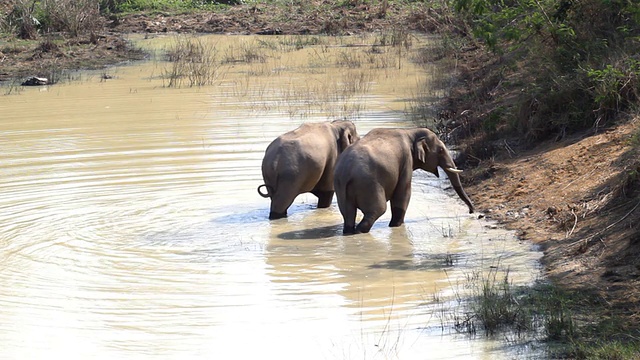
130	226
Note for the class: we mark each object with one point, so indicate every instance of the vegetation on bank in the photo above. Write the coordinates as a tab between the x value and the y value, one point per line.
556	66
540	71
29	18
569	322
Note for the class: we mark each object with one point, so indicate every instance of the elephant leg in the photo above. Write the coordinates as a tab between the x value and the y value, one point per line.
399	204
367	222
280	203
373	205
275	215
348	211
397	216
324	198
348	229
370	217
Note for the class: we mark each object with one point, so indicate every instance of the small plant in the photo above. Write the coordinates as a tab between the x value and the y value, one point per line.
635	138
192	62
449	259
614	88
246	52
73	17
497	306
607	84
13	88
396	37
349	59
356	82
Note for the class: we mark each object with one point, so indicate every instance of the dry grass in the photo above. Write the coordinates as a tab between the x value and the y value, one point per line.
192	62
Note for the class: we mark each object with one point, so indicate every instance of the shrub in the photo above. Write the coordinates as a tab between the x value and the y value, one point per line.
20	19
576	60
27	18
70	16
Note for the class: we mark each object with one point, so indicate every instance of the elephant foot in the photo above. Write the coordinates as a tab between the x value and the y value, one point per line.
364	226
276	215
348	230
397	217
324	198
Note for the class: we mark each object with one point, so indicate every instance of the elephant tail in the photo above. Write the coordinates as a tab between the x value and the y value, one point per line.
269	190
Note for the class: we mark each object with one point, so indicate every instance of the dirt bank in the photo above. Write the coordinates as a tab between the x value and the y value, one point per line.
578	199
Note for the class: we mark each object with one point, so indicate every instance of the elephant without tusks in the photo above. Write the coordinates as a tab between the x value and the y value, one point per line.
303	160
379	167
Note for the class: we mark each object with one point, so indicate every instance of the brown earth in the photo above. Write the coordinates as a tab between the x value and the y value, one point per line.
48	57
577	198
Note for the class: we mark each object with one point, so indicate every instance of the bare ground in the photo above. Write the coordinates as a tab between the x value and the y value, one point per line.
578	199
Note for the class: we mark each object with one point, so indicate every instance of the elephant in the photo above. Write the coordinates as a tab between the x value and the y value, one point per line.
303	160
379	167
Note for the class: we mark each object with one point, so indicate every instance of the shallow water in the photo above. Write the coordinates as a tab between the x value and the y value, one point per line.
130	225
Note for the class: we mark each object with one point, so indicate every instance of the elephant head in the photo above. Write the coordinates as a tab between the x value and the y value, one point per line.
346	135
429	152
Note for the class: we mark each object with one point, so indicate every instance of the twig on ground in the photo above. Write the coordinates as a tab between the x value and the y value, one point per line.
606	228
575	222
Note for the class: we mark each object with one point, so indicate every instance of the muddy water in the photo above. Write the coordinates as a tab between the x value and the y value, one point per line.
130	226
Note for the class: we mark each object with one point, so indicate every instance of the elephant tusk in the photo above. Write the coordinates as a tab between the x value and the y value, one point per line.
456	171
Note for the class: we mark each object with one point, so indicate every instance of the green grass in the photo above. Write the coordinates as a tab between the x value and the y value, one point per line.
127	6
556	67
573	324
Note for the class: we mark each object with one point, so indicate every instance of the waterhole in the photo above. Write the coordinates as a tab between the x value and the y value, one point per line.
130	225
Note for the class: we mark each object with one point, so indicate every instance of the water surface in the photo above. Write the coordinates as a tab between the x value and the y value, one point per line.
130	225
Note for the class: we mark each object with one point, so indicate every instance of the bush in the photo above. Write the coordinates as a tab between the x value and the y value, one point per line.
28	18
167	5
573	64
70	16
20	20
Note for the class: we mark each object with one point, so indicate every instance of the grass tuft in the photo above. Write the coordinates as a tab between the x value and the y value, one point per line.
192	62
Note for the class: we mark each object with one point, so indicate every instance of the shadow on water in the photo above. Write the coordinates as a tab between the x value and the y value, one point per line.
431	262
317	233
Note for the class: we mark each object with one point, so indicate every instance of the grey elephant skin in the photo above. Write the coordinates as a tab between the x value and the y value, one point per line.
303	160
379	168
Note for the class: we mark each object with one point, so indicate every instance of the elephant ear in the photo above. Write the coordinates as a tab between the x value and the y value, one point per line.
421	149
346	139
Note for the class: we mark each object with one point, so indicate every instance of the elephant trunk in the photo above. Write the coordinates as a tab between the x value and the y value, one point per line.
457	186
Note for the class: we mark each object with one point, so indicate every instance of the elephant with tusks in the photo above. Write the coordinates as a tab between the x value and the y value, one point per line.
379	167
